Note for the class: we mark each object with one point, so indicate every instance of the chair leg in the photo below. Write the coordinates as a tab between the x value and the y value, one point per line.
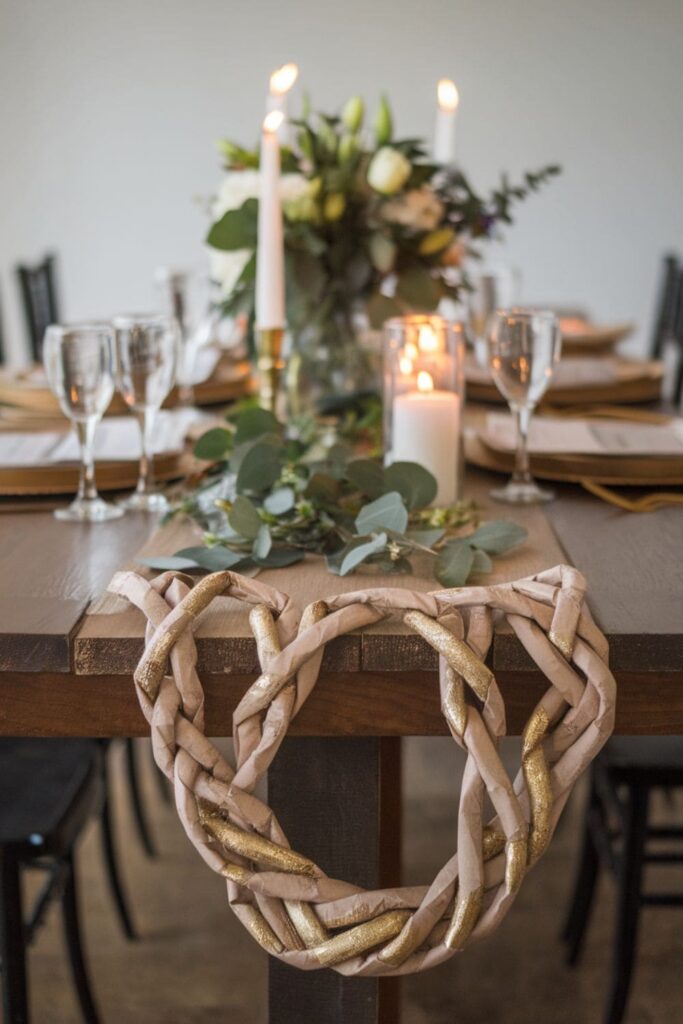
111	862
136	799
12	944
628	903
72	934
581	902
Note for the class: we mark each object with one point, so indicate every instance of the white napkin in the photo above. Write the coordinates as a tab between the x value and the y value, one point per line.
550	436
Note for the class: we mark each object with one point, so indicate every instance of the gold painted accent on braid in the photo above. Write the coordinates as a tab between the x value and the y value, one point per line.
453	703
493	841
456	652
465	916
252	846
515	863
265	633
308	925
256	924
236	873
151	671
537	778
313	612
361	938
565	645
400	948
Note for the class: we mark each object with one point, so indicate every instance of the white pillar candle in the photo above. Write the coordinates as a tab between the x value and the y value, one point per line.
426	430
444	132
281	81
270	257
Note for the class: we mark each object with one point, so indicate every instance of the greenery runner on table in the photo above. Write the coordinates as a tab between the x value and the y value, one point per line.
266	499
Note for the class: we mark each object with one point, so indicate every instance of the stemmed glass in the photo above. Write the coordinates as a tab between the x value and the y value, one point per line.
147	350
491	289
185	294
523	349
79	363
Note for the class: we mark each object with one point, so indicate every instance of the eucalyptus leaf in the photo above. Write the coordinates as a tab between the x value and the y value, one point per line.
214	444
454	564
497	536
280	557
380	308
259	468
416	485
385	513
418	289
236	229
367	476
244	518
357	552
215	559
427	538
164	563
262	543
482	562
323	488
280	501
254	423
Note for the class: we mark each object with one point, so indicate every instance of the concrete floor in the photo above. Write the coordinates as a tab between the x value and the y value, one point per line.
195	963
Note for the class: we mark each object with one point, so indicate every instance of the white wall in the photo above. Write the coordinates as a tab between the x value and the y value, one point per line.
109	110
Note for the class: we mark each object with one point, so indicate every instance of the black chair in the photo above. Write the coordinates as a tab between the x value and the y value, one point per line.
618	836
39	298
49	789
668	326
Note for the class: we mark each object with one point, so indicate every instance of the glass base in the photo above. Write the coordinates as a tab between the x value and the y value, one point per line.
149	502
89	510
522	492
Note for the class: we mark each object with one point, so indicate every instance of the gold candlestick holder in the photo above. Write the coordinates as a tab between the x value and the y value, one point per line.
269	364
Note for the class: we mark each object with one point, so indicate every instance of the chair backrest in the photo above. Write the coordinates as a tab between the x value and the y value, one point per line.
677	336
666	305
39	298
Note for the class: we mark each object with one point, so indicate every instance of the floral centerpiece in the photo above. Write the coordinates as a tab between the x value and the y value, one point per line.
373	228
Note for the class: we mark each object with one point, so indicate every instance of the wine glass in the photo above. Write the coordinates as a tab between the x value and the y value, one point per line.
185	294
491	289
523	348
79	363
147	351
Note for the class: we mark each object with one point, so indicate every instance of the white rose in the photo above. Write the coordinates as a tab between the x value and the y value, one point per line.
226	267
420	209
389	170
238	186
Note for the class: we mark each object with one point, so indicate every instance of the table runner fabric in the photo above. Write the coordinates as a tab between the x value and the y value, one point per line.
286	901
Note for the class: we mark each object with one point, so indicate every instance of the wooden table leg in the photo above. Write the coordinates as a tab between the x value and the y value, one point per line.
339	801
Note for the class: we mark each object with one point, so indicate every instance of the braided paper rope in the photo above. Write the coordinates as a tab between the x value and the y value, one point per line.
287	903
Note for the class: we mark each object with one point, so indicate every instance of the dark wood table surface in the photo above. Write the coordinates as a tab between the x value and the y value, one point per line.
66	657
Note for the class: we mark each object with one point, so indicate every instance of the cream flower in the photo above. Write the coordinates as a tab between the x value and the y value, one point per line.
225	268
389	170
419	209
238	186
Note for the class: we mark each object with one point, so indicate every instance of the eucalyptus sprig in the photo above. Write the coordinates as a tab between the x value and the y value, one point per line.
268	499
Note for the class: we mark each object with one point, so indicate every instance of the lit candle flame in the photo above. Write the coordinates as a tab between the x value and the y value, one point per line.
405	365
411	351
282	79
427	339
447	94
272	121
424	381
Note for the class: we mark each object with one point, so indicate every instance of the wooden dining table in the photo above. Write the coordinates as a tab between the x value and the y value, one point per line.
68	650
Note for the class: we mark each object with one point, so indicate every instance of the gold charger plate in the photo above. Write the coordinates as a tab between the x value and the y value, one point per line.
27	390
581	337
110	476
636	380
631	471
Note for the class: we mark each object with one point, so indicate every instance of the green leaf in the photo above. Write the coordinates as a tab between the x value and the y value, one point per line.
323	488
482	562
380	308
236	229
214	444
263	542
214	559
497	536
280	501
165	562
367	476
414	483
259	469
428	538
254	423
418	288
386	513
357	551
454	564
244	518
279	558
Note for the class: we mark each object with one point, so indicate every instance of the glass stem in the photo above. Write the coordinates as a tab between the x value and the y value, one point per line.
146	420
85	429
522	474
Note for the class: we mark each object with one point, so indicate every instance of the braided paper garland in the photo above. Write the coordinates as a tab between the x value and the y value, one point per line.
284	900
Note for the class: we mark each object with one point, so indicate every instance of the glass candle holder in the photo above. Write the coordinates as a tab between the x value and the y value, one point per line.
424	396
